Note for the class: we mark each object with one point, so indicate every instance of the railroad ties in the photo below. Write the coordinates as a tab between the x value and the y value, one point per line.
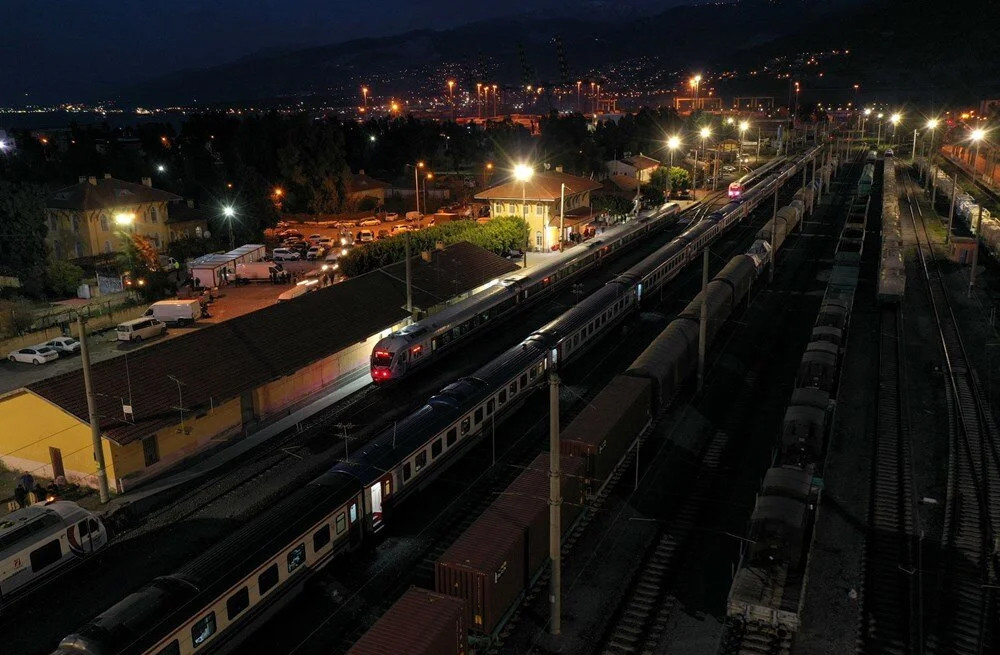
967	595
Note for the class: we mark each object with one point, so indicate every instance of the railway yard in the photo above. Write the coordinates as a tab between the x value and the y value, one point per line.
823	485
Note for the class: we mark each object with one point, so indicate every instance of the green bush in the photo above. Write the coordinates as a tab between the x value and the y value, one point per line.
499	235
63	278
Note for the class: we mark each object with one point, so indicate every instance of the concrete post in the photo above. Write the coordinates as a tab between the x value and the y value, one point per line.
951	211
975	251
409	274
555	501
703	322
95	426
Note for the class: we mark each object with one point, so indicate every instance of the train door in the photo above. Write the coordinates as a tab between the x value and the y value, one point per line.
379	491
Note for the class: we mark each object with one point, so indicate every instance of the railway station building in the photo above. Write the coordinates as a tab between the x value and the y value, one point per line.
162	403
539	200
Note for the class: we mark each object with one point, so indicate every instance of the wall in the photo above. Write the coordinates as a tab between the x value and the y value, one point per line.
92	235
174	444
31	425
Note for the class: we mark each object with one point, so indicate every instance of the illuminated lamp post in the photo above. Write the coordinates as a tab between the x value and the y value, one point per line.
523	173
230	215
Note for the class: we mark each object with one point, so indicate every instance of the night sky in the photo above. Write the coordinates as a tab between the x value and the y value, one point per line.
70	50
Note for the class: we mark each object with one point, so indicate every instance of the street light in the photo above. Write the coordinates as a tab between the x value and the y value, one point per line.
744	126
673	143
160	168
523	173
705	132
428	176
416	182
230	214
895	119
486	171
976	137
867	112
124	218
451	97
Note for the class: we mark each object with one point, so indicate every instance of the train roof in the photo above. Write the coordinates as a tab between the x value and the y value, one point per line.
21	525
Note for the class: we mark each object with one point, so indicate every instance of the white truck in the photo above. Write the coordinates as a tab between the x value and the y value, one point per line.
178	312
257	270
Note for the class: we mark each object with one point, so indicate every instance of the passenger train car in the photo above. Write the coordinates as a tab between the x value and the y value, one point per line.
244	576
420	343
43	538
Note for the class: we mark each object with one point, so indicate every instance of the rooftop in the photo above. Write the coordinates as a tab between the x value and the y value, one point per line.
543	186
219	362
179	212
106	192
642	162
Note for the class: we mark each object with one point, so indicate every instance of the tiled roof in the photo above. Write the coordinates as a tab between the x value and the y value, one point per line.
451	271
543	186
179	212
106	192
642	162
622	183
220	362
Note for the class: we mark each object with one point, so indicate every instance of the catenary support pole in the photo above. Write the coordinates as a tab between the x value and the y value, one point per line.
555	501
95	426
951	210
409	274
703	321
975	251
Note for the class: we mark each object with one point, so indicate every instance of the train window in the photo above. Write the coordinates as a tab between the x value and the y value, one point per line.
341	523
434	344
490	404
45	556
386	487
321	538
513	388
353	512
406	471
452	436
173	648
436	448
532	374
466	425
267	579
420	461
524	380
202	629
297	557
237	603
83	528
479	415
94	526
503	396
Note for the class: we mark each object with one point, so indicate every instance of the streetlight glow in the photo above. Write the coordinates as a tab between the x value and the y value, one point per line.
705	132
523	172
978	134
895	118
228	211
674	142
744	126
868	112
161	168
932	123
124	218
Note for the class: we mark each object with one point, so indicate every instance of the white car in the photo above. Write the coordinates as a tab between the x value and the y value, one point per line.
64	345
392	216
369	222
313	238
396	229
326	242
364	236
35	355
285	255
315	252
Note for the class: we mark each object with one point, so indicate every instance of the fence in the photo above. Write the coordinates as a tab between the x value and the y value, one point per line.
99	316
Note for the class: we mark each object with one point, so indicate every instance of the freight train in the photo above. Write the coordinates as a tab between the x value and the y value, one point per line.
891	271
213	600
767	591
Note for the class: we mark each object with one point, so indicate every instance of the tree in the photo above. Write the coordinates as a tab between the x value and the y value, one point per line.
615	206
652	194
63	278
660	179
680	180
22	233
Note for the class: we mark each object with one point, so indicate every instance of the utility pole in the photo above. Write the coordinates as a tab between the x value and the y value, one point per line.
703	321
555	501
95	426
951	211
975	251
409	274
562	213
913	151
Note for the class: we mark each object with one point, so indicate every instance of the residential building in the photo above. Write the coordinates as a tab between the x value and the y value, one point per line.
541	203
635	166
361	186
90	217
186	220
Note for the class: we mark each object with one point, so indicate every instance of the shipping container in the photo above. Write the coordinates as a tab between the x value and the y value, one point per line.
421	622
603	431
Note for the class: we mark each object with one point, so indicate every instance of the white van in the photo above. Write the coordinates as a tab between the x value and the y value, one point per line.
181	312
140	328
300	289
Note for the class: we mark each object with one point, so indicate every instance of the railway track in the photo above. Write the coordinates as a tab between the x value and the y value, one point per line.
890	620
967	611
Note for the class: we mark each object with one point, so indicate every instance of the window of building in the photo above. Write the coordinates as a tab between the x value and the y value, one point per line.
173	648
297	557
104	223
45	556
321	538
420	461
155	238
53	222
341	523
203	629
538	239
539	209
267	579
78	249
150	450
75	220
237	603
436	448
153	215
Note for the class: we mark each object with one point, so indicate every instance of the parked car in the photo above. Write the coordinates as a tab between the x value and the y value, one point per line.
396	229
64	345
392	216
889	153
513	253
292	234
347	239
140	328
370	221
431	222
365	236
34	355
315	253
326	242
728	169
285	255
313	238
